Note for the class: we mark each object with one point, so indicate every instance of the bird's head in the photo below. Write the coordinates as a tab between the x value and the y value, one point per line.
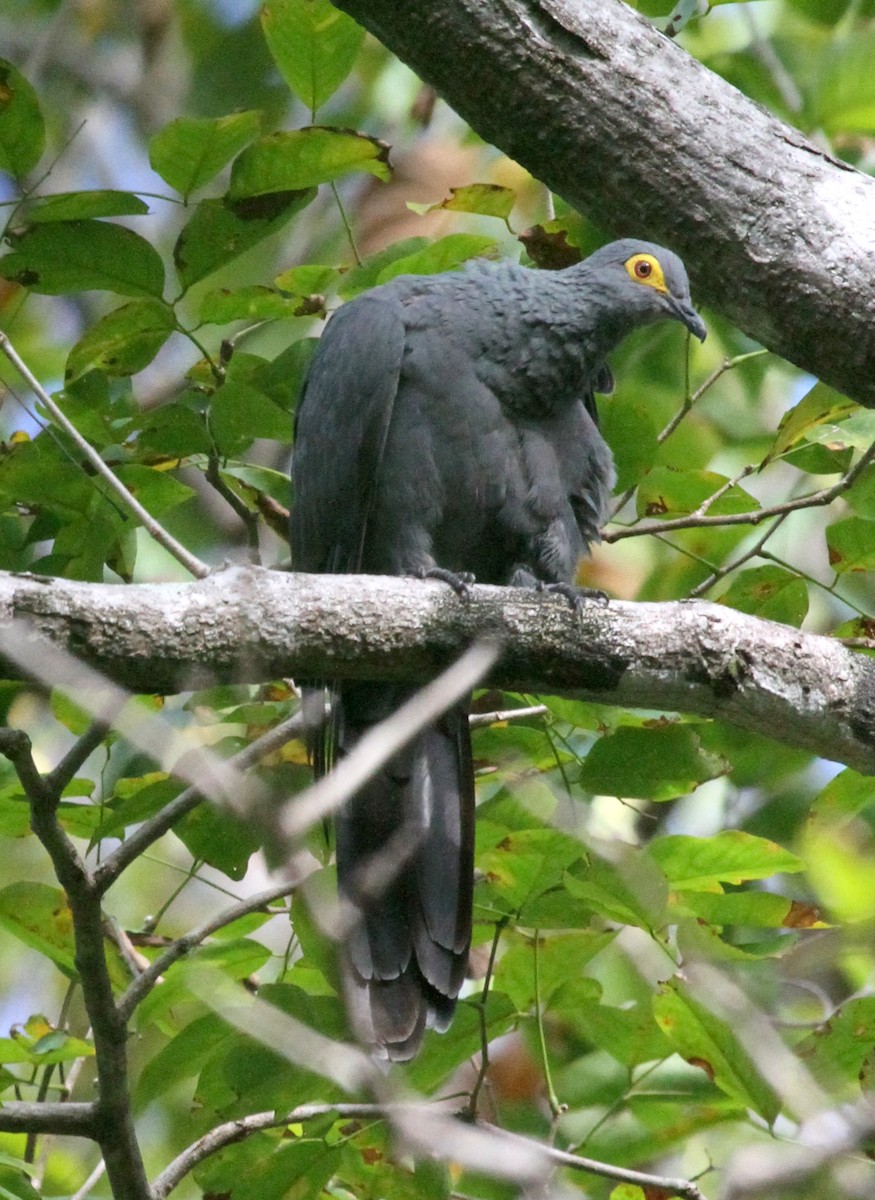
647	283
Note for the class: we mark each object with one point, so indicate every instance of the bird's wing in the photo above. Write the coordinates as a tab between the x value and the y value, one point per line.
340	432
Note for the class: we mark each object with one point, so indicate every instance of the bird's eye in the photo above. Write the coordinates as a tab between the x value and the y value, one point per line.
646	269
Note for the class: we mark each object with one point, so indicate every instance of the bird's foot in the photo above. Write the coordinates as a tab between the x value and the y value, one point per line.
574	595
459	581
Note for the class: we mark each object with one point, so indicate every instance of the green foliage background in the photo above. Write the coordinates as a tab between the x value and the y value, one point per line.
186	196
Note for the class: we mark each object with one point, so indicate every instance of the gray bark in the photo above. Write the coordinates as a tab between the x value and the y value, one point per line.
251	624
623	123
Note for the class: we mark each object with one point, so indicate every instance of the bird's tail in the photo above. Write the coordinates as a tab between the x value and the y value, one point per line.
405	865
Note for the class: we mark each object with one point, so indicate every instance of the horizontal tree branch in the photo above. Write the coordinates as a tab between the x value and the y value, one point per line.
623	123
250	624
64	1119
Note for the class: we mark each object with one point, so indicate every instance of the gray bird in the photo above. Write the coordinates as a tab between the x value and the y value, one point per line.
448	421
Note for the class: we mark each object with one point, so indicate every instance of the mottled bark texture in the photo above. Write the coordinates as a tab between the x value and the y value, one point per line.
622	122
251	624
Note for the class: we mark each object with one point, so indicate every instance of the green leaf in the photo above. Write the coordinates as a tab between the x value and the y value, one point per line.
629	430
844	95
851	545
835	1052
239	414
366	274
222	841
254	303
74	206
313	44
700	864
283	378
41	1044
16	1186
861	495
671	492
307	279
310	1162
441	1053
841	800
771	592
261	480
135	800
487	199
156	490
39	916
221	230
659	763
706	1041
80	256
174	431
856	431
182	1057
124	341
628	1034
632	890
22	129
191	151
525	863
820	406
561	957
442	255
759	909
304	158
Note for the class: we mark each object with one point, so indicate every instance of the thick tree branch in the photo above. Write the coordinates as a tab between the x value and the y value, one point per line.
251	624
624	124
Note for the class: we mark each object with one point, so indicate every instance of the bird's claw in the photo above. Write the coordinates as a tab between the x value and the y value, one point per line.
574	595
459	581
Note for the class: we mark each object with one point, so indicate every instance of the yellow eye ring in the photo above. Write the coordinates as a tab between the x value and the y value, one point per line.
646	269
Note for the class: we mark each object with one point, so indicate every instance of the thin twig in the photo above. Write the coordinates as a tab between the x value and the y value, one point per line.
476	720
154	528
556	1108
248	519
63	773
144	983
721	572
689	400
471	1107
692	521
235	1131
91	1182
672	1187
150	831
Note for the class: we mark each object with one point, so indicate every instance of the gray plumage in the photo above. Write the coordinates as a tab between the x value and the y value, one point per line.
449	421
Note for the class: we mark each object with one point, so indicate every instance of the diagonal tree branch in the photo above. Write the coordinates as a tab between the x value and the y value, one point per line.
623	123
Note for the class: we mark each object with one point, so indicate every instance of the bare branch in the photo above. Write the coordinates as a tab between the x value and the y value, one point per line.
66	1119
677	1187
144	983
236	1131
698	519
154	528
150	831
111	1119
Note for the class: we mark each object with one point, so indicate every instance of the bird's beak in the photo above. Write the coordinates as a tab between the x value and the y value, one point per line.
688	316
